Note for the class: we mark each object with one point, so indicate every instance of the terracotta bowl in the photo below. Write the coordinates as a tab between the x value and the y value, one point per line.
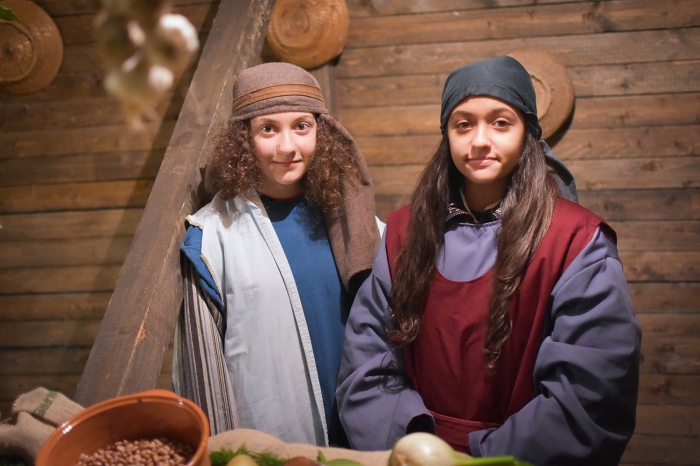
151	414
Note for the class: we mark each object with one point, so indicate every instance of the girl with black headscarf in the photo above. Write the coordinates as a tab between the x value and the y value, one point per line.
497	314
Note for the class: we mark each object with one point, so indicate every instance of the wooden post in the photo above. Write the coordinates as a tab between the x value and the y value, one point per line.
140	320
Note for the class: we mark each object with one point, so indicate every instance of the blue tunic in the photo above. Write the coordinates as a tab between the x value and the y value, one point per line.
301	231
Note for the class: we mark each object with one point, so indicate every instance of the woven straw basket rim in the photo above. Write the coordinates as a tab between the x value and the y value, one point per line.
553	86
38	64
308	33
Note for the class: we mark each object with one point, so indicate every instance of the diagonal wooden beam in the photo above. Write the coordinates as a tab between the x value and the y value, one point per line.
140	320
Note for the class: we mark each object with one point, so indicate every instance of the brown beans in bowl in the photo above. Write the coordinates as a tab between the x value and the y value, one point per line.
156	452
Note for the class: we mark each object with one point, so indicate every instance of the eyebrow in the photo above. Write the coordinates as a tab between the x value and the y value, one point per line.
495	111
270	119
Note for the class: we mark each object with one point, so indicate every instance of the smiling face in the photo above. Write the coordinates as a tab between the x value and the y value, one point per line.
486	137
284	145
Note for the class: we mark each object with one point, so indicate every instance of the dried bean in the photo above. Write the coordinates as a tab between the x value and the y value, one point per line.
161	452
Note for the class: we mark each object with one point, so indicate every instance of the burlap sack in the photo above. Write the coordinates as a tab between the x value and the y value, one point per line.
36	415
259	442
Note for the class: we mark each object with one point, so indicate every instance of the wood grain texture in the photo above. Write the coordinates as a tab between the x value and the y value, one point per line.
611	48
641	173
645	78
130	165
68	306
663	357
669	389
661	266
76	279
670	327
662	450
414	91
35	334
74	196
540	20
11	386
82	251
643	204
363	8
64	87
657	236
638	110
140	319
96	111
667	420
71	224
43	361
58	8
110	138
666	297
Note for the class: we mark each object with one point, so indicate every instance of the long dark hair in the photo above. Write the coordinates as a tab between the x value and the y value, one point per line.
234	169
526	212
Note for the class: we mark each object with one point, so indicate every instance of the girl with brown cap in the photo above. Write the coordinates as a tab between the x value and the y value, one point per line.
497	315
272	263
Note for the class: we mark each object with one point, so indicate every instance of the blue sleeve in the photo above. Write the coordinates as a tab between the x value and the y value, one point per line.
375	399
191	249
586	372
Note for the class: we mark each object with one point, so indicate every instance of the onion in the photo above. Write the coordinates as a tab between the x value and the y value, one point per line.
423	449
242	460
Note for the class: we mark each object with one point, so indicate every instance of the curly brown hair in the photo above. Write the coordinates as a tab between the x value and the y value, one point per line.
234	168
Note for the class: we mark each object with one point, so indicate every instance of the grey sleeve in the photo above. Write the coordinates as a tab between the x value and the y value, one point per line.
375	399
586	373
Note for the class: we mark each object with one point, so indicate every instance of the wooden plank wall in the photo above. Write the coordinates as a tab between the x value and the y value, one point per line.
633	145
73	183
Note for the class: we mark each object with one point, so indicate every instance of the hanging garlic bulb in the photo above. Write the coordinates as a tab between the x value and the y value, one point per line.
146	12
139	85
145	48
114	39
172	42
423	449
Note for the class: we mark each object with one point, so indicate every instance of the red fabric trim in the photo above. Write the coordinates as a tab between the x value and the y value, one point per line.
446	362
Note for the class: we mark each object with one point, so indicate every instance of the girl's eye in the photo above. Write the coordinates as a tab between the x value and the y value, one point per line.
502	123
463	125
266	129
303	126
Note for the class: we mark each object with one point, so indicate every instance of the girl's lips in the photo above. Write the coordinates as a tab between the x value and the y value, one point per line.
481	161
288	164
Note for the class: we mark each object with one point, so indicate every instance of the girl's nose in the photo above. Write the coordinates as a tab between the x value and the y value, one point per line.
481	136
286	143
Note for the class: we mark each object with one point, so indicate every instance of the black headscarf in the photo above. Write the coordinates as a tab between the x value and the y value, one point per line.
506	79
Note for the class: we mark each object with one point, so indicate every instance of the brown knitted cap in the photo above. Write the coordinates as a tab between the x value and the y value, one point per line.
273	88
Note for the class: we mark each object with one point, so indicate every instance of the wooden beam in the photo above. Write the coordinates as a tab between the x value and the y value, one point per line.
140	320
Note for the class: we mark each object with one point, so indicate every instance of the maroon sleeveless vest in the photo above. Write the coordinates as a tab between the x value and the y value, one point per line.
446	362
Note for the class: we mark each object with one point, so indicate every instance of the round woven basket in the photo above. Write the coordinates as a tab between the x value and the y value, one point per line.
553	88
16	50
31	50
308	33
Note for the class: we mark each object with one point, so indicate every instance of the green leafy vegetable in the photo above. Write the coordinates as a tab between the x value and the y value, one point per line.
337	462
8	15
223	456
